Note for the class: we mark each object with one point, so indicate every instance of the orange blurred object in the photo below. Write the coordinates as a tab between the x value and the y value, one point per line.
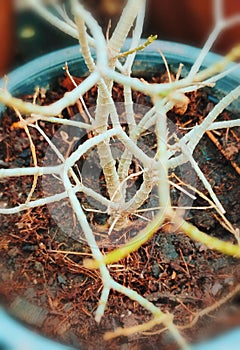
191	21
112	7
6	35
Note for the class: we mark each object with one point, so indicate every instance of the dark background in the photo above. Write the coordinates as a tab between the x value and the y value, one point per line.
186	21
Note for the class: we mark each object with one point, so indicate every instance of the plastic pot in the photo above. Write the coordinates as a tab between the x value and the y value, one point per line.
43	72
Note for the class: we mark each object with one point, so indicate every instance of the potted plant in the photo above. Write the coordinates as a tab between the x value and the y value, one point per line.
106	155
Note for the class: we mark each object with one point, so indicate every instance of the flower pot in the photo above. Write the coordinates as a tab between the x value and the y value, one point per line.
43	72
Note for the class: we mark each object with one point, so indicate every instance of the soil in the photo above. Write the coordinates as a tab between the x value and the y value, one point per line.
44	284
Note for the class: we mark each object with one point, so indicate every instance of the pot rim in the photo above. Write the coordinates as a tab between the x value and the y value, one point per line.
72	53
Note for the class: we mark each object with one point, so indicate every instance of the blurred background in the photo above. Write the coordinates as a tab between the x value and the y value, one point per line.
25	36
